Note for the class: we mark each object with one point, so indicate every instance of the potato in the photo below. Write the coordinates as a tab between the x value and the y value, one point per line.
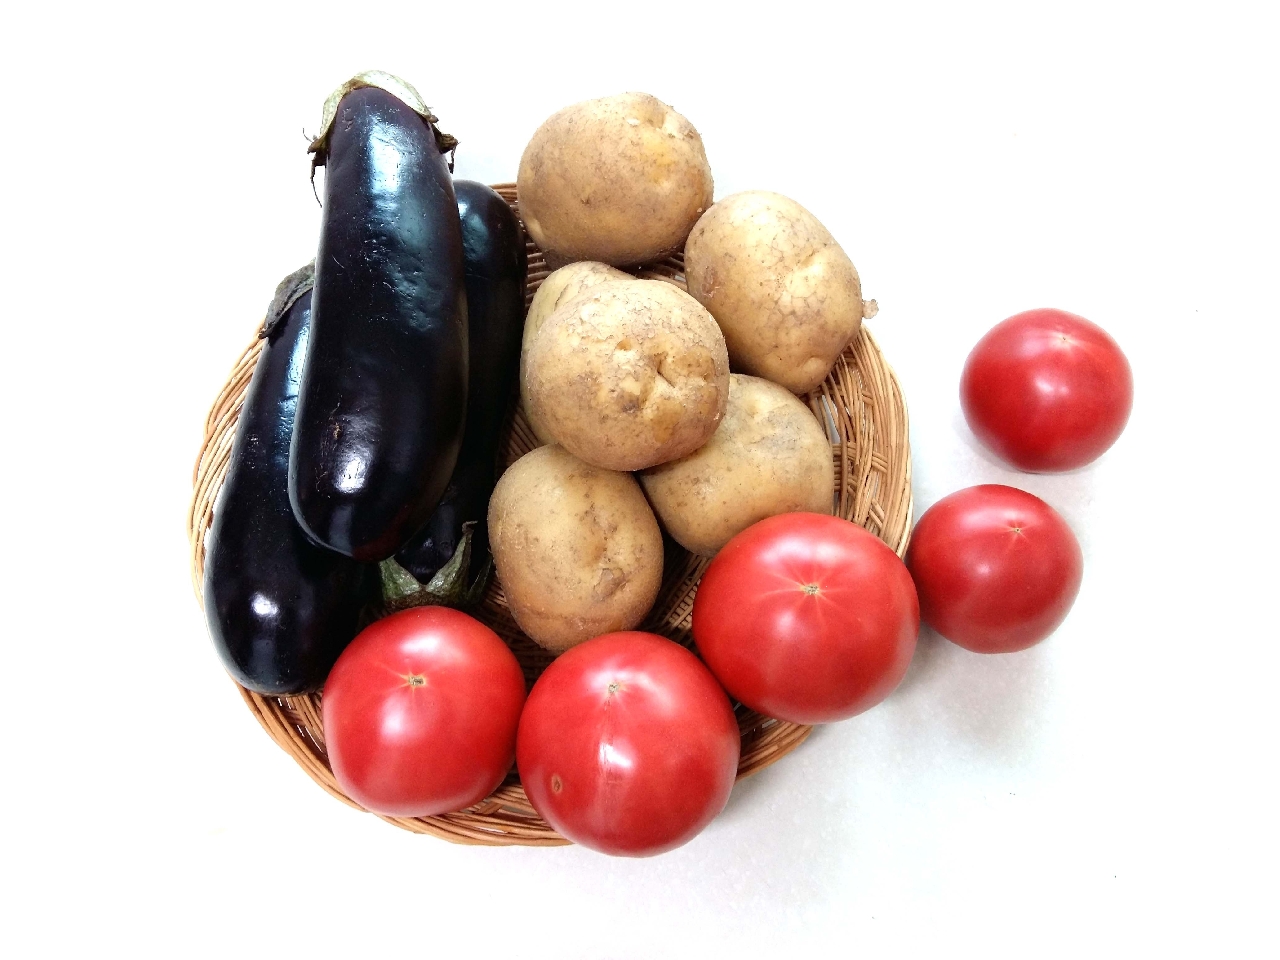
768	456
576	548
560	287
786	296
621	180
628	375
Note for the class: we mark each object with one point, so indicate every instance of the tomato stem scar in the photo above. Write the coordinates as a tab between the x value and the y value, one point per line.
811	589
416	680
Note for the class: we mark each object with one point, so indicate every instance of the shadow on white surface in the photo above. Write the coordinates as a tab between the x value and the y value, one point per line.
960	426
988	704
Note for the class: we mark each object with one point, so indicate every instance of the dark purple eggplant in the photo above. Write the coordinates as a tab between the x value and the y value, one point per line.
384	392
280	608
496	265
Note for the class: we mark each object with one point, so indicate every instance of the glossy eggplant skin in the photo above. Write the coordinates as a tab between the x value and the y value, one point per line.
280	608
496	265
384	392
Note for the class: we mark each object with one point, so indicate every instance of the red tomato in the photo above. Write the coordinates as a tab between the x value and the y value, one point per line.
420	713
1047	391
628	745
806	618
997	568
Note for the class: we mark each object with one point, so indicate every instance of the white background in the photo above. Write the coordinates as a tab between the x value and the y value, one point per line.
1109	791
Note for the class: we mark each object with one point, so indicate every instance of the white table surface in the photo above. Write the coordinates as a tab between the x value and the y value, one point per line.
1110	791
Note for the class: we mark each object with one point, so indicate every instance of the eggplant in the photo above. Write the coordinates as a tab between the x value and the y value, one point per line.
280	608
384	391
496	265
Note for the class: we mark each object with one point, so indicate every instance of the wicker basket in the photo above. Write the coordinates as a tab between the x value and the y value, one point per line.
862	407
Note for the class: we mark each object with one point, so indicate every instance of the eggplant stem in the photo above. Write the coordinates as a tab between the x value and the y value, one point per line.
402	90
448	588
289	291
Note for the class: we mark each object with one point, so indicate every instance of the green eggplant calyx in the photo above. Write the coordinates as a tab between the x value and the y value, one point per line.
448	588
397	582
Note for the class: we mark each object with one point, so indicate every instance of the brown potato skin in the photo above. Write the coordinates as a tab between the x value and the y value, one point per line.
620	180
786	296
629	375
576	548
768	456
559	287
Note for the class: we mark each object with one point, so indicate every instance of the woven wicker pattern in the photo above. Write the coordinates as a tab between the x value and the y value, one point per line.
860	404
